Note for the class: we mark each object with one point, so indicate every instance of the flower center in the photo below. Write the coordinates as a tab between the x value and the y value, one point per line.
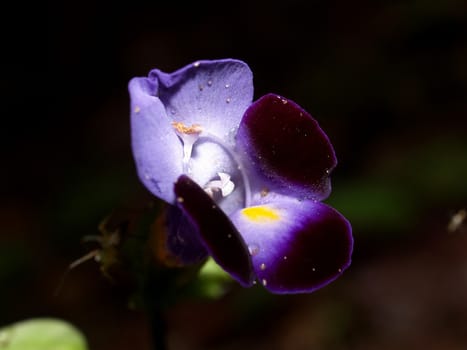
221	184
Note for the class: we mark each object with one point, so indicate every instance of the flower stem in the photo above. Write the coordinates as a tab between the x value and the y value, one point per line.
158	328
156	301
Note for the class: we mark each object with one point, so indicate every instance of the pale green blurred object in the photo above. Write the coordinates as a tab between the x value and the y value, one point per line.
42	334
213	281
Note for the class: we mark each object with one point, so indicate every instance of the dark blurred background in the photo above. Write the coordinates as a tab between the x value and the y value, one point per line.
387	81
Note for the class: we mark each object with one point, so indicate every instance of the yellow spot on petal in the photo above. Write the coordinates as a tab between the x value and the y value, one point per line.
137	109
261	214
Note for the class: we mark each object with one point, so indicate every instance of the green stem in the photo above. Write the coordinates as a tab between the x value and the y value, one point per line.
158	328
156	295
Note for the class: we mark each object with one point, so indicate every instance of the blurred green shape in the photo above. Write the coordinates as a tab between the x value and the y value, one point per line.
212	281
41	334
403	184
437	169
374	207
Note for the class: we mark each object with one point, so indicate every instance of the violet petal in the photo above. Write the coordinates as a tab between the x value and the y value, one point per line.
216	231
213	94
287	148
156	148
296	247
182	240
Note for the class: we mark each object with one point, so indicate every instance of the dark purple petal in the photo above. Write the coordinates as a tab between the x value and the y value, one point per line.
156	148
183	239
212	94
219	235
287	148
296	246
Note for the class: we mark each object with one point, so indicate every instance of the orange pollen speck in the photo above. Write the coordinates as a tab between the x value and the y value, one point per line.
183	129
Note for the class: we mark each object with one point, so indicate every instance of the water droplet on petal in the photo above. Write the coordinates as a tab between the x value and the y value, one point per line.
196	64
263	267
201	87
228	100
209	82
265	282
253	249
227	86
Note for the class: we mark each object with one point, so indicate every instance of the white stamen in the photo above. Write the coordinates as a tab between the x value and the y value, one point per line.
225	185
246	182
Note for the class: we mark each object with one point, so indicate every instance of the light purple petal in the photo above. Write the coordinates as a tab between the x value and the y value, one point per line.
156	148
219	236
286	148
296	247
213	94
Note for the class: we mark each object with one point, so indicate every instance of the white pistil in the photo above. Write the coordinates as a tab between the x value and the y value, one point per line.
189	135
187	149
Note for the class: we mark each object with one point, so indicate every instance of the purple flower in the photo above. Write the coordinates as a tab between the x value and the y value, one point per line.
245	178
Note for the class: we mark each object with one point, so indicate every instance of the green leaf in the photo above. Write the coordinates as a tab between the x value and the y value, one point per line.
41	334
